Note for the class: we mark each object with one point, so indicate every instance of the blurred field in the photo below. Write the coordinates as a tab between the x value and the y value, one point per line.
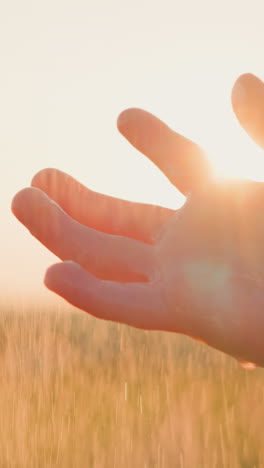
78	392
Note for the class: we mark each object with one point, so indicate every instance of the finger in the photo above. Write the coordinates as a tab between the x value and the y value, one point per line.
106	256
138	305
182	161
248	105
101	212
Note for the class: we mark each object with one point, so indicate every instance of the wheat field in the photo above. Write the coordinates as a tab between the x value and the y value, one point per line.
79	392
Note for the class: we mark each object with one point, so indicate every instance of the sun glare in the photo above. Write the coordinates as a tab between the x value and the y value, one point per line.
237	157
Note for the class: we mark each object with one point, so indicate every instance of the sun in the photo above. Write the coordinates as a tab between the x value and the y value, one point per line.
236	156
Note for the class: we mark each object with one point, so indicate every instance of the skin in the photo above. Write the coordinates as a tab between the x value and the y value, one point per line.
197	271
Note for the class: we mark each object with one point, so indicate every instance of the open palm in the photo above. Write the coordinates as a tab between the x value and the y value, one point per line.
197	270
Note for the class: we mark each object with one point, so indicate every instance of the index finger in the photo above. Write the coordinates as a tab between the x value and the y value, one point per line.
180	159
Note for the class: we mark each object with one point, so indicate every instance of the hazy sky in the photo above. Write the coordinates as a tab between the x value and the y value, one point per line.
68	68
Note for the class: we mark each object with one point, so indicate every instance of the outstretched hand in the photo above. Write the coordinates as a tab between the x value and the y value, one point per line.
198	270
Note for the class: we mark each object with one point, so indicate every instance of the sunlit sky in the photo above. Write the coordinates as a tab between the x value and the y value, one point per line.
68	68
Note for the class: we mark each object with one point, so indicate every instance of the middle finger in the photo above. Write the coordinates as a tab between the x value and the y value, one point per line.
106	256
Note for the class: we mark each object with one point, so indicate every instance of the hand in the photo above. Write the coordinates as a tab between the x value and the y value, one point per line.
197	270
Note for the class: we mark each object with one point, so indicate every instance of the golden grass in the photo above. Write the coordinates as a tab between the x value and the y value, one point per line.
78	392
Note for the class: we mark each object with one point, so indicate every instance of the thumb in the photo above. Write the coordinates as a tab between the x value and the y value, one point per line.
248	105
